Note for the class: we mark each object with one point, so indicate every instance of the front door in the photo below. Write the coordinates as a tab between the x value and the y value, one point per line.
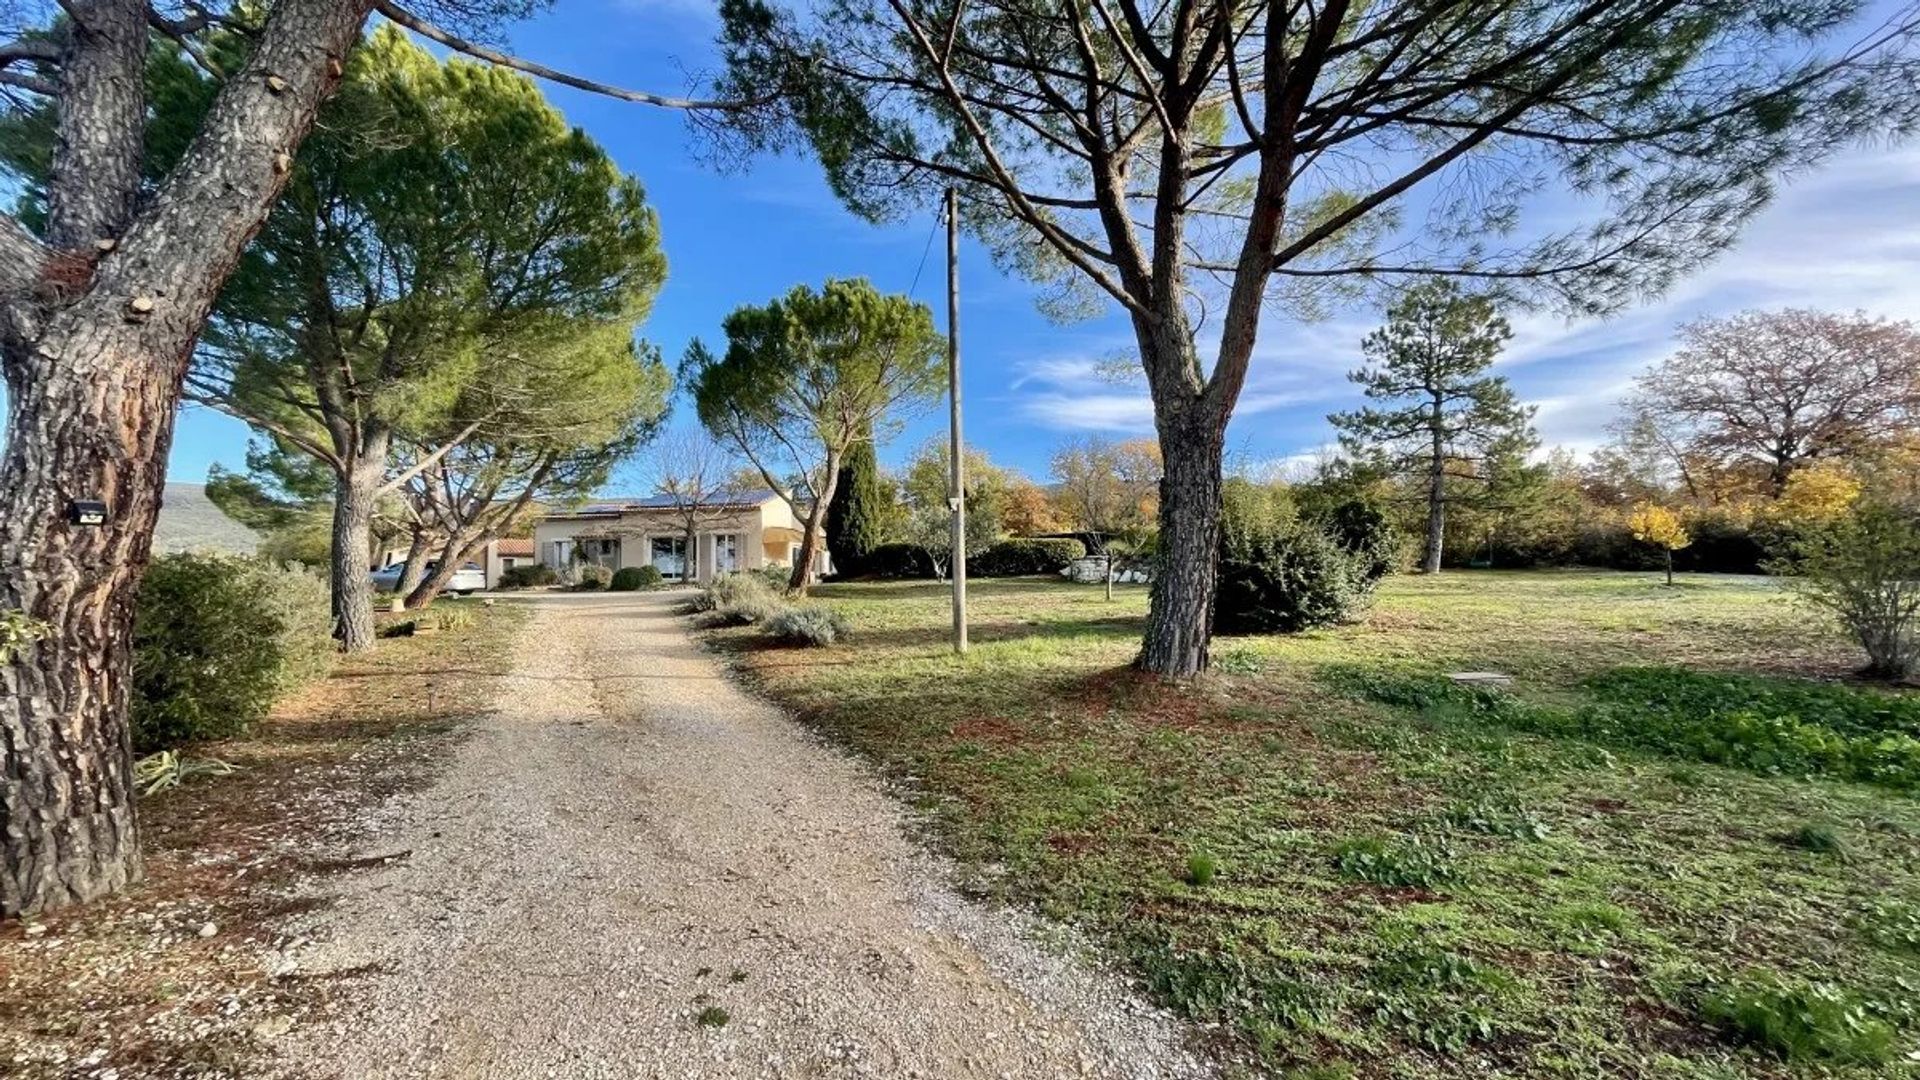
669	556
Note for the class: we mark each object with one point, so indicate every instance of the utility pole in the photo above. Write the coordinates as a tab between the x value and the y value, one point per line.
956	447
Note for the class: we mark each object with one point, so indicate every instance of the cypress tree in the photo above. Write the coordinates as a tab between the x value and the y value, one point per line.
857	514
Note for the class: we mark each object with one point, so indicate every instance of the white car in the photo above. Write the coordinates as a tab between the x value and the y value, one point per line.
468	579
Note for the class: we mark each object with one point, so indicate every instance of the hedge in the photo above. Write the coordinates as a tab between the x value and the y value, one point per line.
1016	558
216	639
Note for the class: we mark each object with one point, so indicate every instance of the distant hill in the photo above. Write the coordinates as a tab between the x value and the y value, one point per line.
190	522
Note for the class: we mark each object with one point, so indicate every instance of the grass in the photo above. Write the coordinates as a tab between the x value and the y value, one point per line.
1355	887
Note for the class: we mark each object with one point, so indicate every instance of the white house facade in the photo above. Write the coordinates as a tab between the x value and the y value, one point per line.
750	531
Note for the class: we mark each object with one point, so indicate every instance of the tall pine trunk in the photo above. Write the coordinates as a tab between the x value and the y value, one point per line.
90	416
99	321
1180	616
1436	507
356	490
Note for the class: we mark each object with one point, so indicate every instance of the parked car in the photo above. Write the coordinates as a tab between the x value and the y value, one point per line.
468	579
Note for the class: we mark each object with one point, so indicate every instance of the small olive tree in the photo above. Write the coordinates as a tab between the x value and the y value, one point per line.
1864	567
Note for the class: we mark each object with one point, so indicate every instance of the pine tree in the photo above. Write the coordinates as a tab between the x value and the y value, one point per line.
1446	416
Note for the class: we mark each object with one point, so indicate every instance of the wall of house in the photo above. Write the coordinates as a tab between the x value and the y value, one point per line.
637	529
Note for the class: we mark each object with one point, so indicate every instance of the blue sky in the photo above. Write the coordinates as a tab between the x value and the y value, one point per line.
1844	238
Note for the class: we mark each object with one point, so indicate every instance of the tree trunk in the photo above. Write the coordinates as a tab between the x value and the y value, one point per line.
810	543
1436	508
355	492
416	565
90	413
1180	618
1669	568
94	344
453	554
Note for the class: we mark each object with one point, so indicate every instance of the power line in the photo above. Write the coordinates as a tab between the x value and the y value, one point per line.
914	288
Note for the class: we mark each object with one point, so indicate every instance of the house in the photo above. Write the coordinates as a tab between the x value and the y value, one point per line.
505	554
751	530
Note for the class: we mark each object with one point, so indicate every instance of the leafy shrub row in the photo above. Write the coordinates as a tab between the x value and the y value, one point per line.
1015	558
532	576
216	639
1006	558
1755	732
635	578
1722	544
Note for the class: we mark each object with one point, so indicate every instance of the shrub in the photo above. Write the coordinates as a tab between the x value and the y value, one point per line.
1014	558
591	577
1801	1021
1864	567
635	578
1366	531
897	561
532	576
1293	580
774	576
808	625
740	599
215	640
1414	864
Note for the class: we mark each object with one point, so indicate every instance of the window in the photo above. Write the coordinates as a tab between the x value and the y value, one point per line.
600	551
726	552
669	556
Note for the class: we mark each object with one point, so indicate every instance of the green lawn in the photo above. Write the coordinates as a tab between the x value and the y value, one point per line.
1395	892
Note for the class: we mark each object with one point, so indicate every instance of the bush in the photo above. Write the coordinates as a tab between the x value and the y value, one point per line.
808	625
1865	569
635	578
532	576
591	577
216	639
1365	530
1802	1021
740	599
896	561
1294	580
1016	558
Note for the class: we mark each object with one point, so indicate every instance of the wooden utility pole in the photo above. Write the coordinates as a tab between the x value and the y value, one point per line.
956	455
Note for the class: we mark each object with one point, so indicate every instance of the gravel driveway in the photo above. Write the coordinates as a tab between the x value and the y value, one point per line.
632	868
